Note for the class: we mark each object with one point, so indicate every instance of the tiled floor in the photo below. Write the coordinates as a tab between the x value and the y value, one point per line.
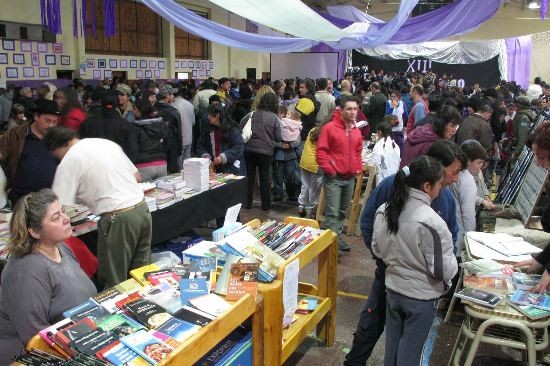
355	272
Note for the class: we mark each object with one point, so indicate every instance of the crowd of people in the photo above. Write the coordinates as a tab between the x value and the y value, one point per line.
435	146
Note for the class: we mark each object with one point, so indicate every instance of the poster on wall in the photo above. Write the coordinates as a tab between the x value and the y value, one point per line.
58	48
177	64
184	64
190	64
3	58
101	63
82	69
18	58
28	72
152	64
50	59
8	45
139	74
44	72
113	63
211	65
90	63
143	64
123	64
156	74
11	72
204	63
65	60
42	47
148	74
161	65
107	74
133	64
26	46
194	73
35	59
96	74
484	73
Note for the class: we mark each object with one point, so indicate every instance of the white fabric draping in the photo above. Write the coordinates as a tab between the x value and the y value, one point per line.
445	52
351	13
288	16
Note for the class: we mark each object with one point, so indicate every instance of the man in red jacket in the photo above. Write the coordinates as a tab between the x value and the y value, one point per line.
339	157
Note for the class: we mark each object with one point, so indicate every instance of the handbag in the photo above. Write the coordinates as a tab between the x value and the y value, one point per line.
247	129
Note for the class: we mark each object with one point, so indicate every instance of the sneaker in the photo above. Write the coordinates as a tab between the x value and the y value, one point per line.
343	246
302	212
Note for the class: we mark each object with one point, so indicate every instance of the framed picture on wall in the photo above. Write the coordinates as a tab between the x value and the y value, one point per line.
26	46
156	74
197	65
58	48
210	65
202	72
161	65
113	63
139	74
204	64
123	64
42	47
143	64
3	58
183	64
133	64
90	63
194	73
8	45
148	74
44	72
35	59
190	64
18	58
96	74
50	59
177	64
12	73
107	74
152	64
101	63
208	73
65	60
28	72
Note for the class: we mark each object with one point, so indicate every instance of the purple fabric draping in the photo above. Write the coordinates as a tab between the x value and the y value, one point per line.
339	22
456	18
195	24
94	20
352	13
109	17
84	18
322	47
518	53
75	19
543	9
50	14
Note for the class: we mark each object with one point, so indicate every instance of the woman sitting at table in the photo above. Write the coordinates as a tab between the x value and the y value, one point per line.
42	277
222	143
416	245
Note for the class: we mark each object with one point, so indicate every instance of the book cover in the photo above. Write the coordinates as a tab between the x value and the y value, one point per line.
147	313
89	309
163	294
490	284
530	311
90	343
178	329
525	281
203	268
147	346
127	299
243	280
479	297
138	273
121	355
108	299
211	304
206	249
119	324
190	288
194	317
223	279
163	276
226	349
306	304
523	297
50	331
165	338
74	331
130	285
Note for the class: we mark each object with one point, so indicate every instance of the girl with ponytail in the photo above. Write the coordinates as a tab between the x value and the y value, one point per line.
42	277
416	246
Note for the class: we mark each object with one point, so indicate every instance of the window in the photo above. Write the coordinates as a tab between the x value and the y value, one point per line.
32	32
24	32
138	31
190	46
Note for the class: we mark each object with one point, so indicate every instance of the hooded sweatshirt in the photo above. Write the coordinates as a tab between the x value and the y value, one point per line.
418	143
290	129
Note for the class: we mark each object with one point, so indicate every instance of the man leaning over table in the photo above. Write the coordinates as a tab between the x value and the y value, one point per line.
97	173
539	142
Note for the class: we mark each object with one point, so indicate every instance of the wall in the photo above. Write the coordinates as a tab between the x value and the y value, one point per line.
540	56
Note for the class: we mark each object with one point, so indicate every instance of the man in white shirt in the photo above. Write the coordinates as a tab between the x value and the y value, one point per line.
97	173
326	100
187	113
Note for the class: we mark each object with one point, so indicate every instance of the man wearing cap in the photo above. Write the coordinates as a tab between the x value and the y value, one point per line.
125	106
172	118
521	124
27	163
223	92
97	173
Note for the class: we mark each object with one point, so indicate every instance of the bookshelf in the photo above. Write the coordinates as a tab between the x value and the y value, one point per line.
279	343
195	347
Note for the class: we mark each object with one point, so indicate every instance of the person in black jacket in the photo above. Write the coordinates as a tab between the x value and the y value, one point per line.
222	143
308	106
172	119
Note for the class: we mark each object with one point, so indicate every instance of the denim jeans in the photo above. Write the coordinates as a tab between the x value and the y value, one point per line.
338	193
408	323
285	171
371	320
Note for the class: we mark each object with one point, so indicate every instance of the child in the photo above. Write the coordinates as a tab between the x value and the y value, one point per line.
417	247
310	176
386	153
465	191
286	166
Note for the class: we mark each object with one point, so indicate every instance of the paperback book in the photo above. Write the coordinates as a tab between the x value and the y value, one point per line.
525	281
121	355
92	342
243	280
191	288
147	313
490	284
211	304
120	324
150	348
530	311
178	329
89	309
523	297
479	297
223	279
193	316
163	276
108	299
139	273
164	295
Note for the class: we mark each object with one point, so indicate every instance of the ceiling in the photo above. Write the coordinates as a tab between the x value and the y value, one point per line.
514	18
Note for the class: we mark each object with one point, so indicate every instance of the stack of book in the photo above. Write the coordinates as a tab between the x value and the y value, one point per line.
500	246
151	203
171	183
196	173
132	324
147	186
162	198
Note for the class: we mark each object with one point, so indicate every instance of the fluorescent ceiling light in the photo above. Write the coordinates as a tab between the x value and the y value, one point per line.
534	5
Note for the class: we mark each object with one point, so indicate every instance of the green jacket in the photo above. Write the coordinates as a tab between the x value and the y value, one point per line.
521	128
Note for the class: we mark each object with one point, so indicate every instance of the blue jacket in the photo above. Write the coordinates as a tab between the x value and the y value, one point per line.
444	205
